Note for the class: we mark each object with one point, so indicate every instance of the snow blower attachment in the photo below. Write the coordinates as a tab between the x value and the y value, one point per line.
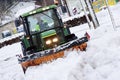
46	37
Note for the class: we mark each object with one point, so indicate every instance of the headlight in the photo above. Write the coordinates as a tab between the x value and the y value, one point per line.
55	40
48	42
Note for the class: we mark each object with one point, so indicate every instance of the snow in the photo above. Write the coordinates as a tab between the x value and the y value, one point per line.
25	10
19	9
101	61
9	67
12	37
3	22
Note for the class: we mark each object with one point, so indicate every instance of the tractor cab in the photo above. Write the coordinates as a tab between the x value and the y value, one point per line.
44	30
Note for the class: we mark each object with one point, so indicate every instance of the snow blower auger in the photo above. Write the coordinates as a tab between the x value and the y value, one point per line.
46	37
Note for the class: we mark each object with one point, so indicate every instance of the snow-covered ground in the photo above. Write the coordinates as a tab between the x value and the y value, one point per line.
101	61
11	37
9	67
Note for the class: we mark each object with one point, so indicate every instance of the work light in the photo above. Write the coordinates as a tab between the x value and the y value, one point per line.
48	42
55	40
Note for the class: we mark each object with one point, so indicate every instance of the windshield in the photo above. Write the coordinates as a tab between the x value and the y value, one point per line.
43	21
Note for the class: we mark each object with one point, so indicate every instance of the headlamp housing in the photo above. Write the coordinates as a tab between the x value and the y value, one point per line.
55	40
48	42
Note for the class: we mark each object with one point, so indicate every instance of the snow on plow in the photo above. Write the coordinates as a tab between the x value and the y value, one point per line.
51	54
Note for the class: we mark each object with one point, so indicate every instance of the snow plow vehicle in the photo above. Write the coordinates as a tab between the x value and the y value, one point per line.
46	38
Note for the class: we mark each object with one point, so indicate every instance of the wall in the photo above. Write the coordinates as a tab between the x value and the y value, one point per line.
74	4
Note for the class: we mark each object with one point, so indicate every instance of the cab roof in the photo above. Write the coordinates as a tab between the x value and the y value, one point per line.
38	10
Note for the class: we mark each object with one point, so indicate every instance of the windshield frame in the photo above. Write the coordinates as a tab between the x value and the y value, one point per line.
57	18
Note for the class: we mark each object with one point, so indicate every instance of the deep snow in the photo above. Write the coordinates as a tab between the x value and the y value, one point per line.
101	61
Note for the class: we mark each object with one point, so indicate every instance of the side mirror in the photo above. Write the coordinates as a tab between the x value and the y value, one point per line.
17	22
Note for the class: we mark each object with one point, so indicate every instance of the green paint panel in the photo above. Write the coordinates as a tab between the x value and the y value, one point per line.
117	0
65	31
27	44
48	33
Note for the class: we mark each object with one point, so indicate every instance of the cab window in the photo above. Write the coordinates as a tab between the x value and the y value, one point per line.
43	21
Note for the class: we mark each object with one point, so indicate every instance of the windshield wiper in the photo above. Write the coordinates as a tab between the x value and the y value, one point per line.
48	16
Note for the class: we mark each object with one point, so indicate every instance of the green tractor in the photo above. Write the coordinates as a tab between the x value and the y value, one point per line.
46	38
